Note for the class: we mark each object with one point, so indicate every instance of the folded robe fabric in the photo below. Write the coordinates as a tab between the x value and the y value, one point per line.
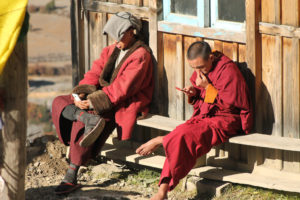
12	14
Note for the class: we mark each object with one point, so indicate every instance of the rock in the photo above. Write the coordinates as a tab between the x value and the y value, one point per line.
36	164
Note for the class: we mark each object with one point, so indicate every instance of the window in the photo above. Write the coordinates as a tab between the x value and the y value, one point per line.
229	14
226	14
190	12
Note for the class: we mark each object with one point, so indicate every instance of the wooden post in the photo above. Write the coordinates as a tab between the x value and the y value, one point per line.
13	82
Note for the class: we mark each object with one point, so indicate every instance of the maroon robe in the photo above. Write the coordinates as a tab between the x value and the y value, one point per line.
221	111
130	93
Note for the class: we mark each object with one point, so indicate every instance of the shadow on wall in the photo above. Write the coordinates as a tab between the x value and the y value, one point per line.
263	112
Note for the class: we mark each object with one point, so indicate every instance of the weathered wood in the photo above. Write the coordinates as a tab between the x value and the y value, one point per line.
133	2
272	78
211	33
290	12
86	36
96	41
109	7
266	179
13	82
188	71
279	30
74	42
179	77
268	11
153	5
81	40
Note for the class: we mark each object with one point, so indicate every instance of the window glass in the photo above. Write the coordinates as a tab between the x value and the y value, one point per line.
185	7
231	10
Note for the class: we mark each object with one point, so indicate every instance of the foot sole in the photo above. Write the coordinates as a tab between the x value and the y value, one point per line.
89	138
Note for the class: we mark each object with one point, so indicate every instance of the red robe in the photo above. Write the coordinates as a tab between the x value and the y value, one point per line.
221	111
131	92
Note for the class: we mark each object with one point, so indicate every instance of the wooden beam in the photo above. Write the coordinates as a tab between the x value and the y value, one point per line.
14	83
211	33
109	7
279	30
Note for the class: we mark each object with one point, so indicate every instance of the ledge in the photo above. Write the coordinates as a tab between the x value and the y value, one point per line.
210	33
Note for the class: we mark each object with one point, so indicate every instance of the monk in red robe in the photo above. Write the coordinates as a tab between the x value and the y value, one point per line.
116	90
222	108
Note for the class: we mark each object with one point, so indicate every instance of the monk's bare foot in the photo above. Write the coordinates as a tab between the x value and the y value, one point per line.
150	146
159	196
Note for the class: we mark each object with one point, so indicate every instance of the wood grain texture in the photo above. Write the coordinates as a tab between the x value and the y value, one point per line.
96	38
188	71
290	12
13	83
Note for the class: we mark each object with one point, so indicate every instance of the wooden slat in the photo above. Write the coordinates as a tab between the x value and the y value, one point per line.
96	28
210	33
290	12
188	71
109	7
267	141
179	77
160	122
133	2
280	30
268	11
242	53
277	181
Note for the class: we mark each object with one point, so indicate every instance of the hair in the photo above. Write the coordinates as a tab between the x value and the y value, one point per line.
197	49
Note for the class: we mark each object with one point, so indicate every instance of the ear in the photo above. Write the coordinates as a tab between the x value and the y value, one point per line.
211	56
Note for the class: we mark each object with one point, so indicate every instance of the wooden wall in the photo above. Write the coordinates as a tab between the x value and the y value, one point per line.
276	69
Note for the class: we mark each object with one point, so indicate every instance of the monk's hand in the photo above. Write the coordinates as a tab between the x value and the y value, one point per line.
85	104
190	91
201	80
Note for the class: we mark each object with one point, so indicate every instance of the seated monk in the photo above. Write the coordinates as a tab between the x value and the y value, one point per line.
113	93
222	109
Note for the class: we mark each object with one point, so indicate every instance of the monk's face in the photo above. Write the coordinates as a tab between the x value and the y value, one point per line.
200	64
126	39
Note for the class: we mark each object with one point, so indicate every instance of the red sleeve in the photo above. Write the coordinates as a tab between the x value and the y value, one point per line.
92	76
131	80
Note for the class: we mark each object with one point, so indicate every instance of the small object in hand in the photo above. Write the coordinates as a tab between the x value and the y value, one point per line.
76	97
177	88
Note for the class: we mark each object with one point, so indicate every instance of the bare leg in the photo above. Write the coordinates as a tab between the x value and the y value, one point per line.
162	191
150	146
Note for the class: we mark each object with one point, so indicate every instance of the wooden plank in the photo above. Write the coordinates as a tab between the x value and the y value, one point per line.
268	11
218	45
109	7
230	50
272	78
210	42
210	33
86	41
153	30
96	38
290	12
81	41
133	2
278	181
291	72
13	82
179	77
188	71
160	122
242	53
74	42
279	30
291	107
171	68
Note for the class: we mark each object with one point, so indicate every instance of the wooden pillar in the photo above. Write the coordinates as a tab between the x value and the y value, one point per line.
13	82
